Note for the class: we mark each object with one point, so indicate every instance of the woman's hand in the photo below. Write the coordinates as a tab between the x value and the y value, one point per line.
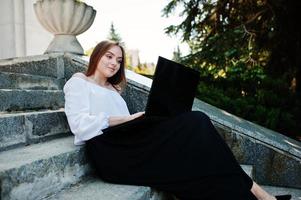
115	120
136	115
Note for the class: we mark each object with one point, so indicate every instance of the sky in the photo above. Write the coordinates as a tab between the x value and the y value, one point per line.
140	25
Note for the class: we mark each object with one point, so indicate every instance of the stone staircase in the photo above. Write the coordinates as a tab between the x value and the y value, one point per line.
37	155
38	159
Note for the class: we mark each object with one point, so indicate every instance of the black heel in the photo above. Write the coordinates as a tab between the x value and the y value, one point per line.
284	197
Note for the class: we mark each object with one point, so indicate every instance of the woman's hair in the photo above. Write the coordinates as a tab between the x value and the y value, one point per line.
101	48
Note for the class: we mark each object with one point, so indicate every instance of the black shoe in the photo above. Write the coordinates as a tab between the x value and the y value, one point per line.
284	197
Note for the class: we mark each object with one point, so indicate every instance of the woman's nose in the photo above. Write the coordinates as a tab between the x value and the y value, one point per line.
114	62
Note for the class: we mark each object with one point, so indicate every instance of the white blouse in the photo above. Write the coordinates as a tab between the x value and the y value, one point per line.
88	107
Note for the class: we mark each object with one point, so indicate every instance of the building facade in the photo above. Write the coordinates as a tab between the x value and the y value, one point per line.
20	32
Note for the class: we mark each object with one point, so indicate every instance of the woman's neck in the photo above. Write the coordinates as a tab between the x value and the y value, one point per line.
99	80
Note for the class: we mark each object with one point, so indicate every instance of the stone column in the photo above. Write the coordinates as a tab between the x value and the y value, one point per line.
20	32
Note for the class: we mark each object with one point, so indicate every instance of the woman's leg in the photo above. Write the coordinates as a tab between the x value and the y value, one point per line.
260	193
184	156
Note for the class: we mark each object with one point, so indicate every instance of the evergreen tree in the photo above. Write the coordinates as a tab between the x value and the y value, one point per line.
113	35
177	55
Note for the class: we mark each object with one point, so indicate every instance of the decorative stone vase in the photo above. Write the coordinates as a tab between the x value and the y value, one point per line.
65	19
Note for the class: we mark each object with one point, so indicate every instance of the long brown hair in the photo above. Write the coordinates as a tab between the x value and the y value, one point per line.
100	49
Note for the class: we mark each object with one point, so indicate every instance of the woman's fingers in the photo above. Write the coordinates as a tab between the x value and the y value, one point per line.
138	114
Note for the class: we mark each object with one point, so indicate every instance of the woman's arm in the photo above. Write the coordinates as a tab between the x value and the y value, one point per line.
115	120
82	123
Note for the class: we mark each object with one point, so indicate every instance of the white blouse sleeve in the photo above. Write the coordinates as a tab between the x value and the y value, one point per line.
77	108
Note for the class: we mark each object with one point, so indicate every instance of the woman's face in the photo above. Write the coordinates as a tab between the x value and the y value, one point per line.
109	64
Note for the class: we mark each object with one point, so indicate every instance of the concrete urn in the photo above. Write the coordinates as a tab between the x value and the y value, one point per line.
65	19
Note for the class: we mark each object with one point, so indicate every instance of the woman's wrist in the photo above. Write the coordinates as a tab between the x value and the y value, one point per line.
129	118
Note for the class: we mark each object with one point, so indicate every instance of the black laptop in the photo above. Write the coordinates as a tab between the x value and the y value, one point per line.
172	92
173	89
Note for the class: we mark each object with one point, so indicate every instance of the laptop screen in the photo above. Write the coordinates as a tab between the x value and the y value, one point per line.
173	89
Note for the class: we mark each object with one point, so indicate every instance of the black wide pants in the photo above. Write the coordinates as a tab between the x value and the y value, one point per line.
183	155
179	152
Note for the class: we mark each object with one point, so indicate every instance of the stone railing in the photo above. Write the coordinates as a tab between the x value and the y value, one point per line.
275	157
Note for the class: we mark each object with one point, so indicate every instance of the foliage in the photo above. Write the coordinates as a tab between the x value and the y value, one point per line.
145	69
114	36
259	104
89	51
247	51
177	55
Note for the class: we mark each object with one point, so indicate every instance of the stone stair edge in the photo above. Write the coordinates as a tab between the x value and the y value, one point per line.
12	80
53	165
33	152
33	58
18	100
27	75
17	157
29	90
24	128
51	65
93	188
30	112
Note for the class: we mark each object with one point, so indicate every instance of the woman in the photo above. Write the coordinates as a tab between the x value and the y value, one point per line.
183	155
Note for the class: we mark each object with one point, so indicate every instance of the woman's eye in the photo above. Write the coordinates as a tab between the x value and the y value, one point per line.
119	61
109	56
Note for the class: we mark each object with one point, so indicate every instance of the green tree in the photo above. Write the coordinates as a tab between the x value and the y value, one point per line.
113	35
248	53
177	54
256	32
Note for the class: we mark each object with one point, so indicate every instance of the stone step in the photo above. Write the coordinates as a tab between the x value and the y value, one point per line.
25	81
31	127
45	65
96	189
249	169
296	193
39	170
14	100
